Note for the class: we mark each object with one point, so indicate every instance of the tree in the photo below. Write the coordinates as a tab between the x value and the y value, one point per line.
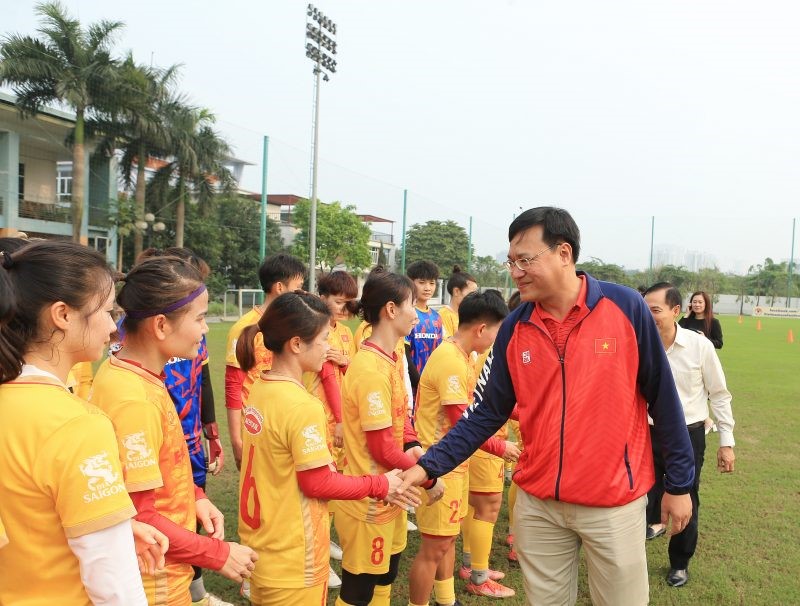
341	235
445	243
69	65
137	127
488	272
608	272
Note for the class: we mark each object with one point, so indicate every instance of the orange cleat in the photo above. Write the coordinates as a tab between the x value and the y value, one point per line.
491	589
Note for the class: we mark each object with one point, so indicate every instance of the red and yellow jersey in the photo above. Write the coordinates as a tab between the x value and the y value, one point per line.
449	320
79	380
340	338
155	456
364	331
262	354
502	433
284	432
373	397
448	379
61	478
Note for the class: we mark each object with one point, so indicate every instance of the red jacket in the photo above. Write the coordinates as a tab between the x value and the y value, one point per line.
583	418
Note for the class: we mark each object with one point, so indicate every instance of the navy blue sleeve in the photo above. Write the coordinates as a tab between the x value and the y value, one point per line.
494	401
658	388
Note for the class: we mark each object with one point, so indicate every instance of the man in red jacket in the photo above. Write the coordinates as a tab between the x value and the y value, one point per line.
581	359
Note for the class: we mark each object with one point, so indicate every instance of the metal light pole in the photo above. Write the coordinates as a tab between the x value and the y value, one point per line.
150	225
791	263
318	45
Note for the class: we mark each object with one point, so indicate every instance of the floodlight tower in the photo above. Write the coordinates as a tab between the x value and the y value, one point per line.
320	48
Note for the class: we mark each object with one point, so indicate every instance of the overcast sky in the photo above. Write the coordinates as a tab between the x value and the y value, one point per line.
688	111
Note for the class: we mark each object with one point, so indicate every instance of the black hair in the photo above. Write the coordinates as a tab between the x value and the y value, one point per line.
292	314
39	274
514	300
458	279
423	270
12	244
279	268
187	254
154	284
381	287
487	306
338	283
557	224
672	296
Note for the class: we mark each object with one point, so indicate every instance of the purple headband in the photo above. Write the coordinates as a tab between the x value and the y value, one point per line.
140	315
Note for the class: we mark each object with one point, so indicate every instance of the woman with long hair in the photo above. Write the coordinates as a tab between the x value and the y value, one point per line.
701	318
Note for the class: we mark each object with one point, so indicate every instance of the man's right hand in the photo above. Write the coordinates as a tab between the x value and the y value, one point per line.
413	476
240	563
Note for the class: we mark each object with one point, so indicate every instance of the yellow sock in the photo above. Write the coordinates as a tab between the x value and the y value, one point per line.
481	543
512	499
381	595
340	602
466	528
444	591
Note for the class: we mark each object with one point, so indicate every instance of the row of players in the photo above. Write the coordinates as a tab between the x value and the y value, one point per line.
66	458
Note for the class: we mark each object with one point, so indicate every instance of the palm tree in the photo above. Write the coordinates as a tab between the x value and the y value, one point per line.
197	155
66	64
137	128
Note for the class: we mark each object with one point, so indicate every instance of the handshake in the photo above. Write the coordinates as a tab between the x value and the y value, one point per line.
402	484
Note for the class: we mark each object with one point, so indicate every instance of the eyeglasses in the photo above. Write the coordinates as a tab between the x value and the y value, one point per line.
525	262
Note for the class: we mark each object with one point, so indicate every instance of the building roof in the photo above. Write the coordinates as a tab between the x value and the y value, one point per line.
374	219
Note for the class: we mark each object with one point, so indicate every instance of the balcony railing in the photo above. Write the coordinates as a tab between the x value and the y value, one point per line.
377	236
45	211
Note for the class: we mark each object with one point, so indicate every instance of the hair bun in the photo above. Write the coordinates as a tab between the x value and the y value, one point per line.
456	269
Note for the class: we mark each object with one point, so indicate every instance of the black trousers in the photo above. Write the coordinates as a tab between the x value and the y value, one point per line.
682	545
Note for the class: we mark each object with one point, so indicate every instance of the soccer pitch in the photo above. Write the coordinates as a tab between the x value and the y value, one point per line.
749	547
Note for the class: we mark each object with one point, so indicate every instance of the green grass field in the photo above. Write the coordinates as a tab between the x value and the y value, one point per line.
749	549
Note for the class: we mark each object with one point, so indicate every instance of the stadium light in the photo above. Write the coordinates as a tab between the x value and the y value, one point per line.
320	48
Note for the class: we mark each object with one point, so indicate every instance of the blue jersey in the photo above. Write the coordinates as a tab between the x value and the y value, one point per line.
426	336
184	381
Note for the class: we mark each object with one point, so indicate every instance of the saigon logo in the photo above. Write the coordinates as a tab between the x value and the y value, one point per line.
138	454
376	408
314	440
103	481
253	421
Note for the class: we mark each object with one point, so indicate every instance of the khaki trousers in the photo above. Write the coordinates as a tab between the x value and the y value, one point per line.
548	536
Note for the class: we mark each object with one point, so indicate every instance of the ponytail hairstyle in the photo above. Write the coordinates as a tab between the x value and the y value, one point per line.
514	300
36	276
708	314
381	287
187	254
156	286
338	283
292	314
458	279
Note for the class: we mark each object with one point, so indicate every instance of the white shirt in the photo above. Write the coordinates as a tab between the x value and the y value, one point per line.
699	378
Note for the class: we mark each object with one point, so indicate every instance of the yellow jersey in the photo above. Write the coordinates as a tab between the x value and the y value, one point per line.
284	432
448	378
61	478
3	535
449	320
79	380
155	456
263	355
373	397
340	338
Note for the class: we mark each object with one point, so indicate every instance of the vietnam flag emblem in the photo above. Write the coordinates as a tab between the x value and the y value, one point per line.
605	345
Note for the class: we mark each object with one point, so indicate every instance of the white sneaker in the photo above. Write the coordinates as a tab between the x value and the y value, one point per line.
411	526
245	589
333	579
336	551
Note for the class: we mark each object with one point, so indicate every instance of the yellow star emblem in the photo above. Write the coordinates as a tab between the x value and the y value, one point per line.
605	345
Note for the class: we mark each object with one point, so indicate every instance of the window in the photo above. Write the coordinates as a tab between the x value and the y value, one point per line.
99	243
21	182
64	185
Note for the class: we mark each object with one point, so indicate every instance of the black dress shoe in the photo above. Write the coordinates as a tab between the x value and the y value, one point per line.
652	534
677	577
